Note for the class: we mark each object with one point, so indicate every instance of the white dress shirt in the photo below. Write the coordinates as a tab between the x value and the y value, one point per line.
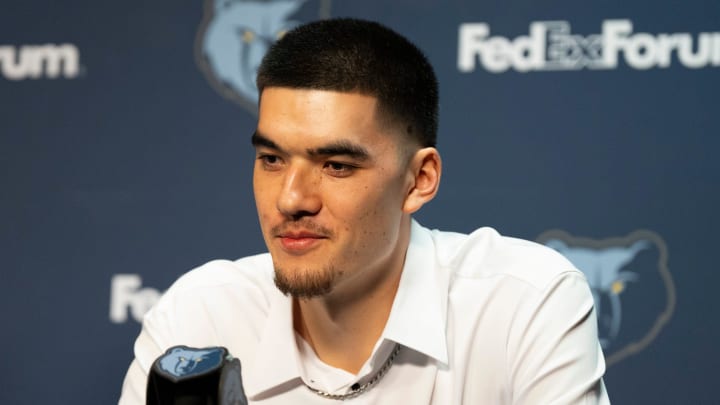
480	319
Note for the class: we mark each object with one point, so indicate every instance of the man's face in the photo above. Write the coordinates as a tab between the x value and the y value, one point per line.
329	184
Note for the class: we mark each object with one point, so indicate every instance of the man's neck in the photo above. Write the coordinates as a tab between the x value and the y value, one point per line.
344	326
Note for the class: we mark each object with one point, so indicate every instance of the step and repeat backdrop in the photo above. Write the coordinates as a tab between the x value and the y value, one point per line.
591	127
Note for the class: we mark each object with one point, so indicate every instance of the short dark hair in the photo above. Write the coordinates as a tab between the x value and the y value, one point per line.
352	55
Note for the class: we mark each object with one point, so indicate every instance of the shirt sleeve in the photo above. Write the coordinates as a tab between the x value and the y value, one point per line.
149	346
554	352
198	311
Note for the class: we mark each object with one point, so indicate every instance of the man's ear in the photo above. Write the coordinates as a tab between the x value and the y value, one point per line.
424	173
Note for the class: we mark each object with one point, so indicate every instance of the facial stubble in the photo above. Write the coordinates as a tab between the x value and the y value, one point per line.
306	283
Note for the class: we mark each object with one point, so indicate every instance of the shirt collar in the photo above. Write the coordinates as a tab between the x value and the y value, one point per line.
417	319
418	316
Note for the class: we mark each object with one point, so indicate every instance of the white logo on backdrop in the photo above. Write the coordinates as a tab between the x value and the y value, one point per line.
47	61
127	296
633	290
234	37
550	45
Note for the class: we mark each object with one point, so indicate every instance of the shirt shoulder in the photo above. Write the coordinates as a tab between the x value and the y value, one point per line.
251	271
220	284
485	253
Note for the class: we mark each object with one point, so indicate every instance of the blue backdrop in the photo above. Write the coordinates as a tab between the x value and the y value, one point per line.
124	146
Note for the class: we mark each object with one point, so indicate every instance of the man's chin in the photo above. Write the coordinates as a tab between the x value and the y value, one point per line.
304	286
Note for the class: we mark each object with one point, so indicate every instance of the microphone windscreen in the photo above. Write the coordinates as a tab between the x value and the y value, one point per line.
190	376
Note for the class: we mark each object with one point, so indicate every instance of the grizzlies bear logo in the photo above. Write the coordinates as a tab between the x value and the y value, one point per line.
182	361
235	35
631	285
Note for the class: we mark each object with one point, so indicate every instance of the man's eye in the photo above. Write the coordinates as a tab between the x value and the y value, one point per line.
269	161
339	169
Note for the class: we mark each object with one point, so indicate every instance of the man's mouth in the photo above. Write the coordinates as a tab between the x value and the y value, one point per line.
298	242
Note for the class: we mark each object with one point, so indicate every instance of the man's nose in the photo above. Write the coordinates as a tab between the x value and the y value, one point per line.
299	195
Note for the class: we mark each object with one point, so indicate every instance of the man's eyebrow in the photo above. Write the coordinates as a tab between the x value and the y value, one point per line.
259	140
341	147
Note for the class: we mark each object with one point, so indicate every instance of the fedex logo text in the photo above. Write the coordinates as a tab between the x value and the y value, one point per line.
126	294
550	45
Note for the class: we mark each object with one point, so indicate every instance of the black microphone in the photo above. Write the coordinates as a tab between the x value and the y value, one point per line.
190	376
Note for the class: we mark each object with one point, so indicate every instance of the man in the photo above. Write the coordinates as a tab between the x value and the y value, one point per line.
355	300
